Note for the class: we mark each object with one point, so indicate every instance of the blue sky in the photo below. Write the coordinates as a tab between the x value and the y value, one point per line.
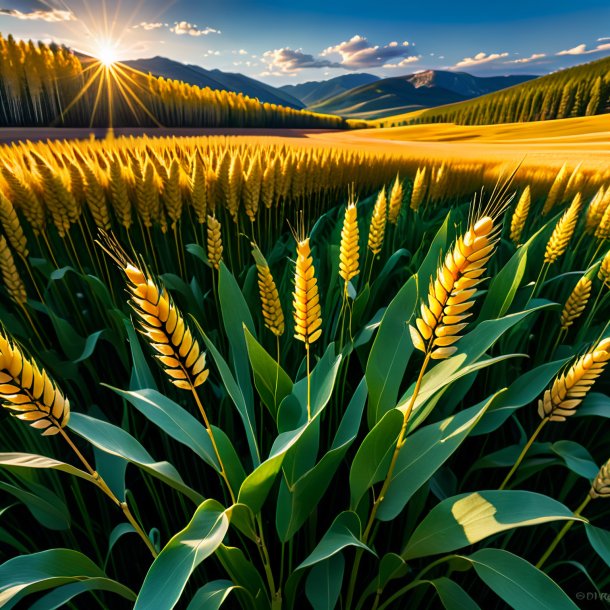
288	42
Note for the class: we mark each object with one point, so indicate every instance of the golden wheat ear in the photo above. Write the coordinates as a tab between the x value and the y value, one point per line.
271	306
349	253
451	292
161	322
570	388
28	392
576	303
601	484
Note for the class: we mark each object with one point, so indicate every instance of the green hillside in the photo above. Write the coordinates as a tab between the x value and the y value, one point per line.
579	91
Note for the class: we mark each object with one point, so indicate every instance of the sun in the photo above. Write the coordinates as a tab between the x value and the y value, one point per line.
107	54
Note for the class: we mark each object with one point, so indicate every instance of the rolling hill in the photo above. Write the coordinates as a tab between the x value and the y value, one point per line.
314	92
401	94
583	90
214	79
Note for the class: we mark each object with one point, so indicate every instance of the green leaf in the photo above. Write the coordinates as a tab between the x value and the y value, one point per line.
600	541
452	596
45	506
186	429
252	592
271	381
523	391
37	572
594	404
141	376
390	353
297	500
212	595
346	530
236	394
468	518
170	571
236	315
115	535
518	582
424	453
117	441
373	457
576	458
31	460
471	347
323	584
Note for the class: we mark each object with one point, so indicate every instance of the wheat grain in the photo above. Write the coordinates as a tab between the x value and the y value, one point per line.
576	303
306	300
395	205
569	389
349	254
601	484
563	231
450	295
12	227
28	392
214	242
522	209
10	275
604	270
378	223
419	188
271	306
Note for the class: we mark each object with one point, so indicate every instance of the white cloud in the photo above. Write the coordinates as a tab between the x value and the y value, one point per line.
182	28
148	26
51	16
357	53
479	58
527	60
403	63
581	49
603	38
291	61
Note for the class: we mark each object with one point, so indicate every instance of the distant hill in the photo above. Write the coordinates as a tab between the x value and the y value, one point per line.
214	79
391	96
314	92
583	90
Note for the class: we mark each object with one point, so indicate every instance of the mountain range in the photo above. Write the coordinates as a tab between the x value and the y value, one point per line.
362	95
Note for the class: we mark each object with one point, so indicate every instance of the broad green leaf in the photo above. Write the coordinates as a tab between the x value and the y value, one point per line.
346	530
37	572
115	535
178	423
517	582
594	404
471	348
141	376
390	353
452	596
61	596
258	483
252	590
45	506
468	518
600	541
373	457
170	571
323	584
236	394
576	458
30	460
236	315
212	595
523	391
296	501
424	452
117	441
271	381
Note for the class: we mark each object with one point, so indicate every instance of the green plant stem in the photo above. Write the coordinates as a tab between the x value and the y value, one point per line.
208	427
564	530
400	593
264	552
99	481
524	451
388	479
308	383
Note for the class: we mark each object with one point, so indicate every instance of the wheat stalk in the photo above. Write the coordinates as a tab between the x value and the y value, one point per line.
522	209
576	303
563	231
